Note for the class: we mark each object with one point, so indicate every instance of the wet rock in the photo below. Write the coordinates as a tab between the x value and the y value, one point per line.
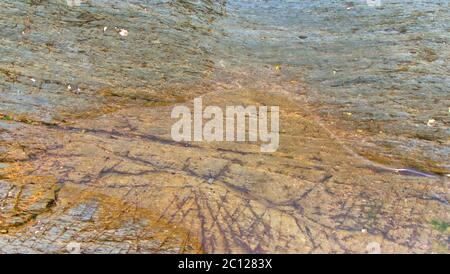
124	186
119	183
21	203
114	231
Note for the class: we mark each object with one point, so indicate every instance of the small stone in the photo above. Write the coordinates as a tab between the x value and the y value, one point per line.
3	231
74	248
431	122
123	32
73	3
373	248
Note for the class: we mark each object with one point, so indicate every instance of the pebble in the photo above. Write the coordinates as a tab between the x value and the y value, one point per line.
123	32
373	248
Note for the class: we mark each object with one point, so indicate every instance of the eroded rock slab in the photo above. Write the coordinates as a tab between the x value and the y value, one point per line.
88	163
86	222
22	200
313	195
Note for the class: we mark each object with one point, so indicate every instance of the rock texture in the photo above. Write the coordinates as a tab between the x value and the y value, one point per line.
121	174
88	165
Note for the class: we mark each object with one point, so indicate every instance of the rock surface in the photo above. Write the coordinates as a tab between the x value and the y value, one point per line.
88	165
313	195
